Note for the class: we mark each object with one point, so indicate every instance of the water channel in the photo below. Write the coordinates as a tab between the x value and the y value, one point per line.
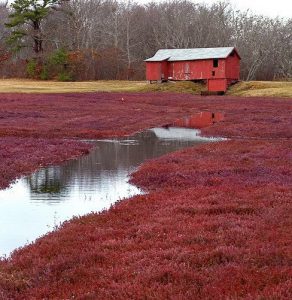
36	204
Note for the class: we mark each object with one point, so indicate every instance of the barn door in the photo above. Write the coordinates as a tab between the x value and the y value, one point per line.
162	72
187	71
170	71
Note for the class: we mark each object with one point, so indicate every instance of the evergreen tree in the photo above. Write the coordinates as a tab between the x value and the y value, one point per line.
26	23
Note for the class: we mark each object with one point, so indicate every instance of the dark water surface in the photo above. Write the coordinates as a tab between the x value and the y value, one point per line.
36	204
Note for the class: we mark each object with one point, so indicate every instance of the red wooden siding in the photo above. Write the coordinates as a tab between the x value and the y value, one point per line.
198	69
157	70
218	73
153	70
164	70
232	66
217	85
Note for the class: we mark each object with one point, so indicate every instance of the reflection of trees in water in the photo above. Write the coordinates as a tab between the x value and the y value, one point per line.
47	181
106	164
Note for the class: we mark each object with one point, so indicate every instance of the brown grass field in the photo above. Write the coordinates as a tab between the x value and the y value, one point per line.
245	89
262	89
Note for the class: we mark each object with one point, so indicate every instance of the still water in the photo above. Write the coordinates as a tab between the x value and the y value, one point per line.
36	204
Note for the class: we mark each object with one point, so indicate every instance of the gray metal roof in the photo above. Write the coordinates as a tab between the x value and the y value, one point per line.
191	54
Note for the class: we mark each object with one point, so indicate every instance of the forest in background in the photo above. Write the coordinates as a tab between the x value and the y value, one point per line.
108	39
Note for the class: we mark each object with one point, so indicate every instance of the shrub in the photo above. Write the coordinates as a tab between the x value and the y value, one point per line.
44	73
59	57
58	64
31	68
64	76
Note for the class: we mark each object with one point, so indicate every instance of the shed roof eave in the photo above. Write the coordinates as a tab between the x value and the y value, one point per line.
152	59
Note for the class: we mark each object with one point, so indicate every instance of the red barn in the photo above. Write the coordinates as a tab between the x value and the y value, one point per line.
218	67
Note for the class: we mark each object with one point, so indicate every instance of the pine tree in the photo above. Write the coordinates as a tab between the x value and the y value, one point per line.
26	23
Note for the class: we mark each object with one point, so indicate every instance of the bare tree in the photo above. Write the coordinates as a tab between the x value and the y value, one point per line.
4	55
109	39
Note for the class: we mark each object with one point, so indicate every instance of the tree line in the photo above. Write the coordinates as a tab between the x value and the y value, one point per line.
108	39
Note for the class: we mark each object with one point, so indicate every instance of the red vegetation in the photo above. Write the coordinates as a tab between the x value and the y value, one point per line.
248	164
95	115
216	223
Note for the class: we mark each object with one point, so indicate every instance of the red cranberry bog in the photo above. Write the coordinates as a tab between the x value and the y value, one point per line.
215	222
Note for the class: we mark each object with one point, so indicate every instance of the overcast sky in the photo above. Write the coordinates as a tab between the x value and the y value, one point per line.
271	8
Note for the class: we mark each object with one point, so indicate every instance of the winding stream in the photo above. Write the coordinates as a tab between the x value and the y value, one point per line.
36	204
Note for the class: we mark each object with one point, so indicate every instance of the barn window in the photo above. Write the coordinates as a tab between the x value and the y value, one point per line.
215	63
213	73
